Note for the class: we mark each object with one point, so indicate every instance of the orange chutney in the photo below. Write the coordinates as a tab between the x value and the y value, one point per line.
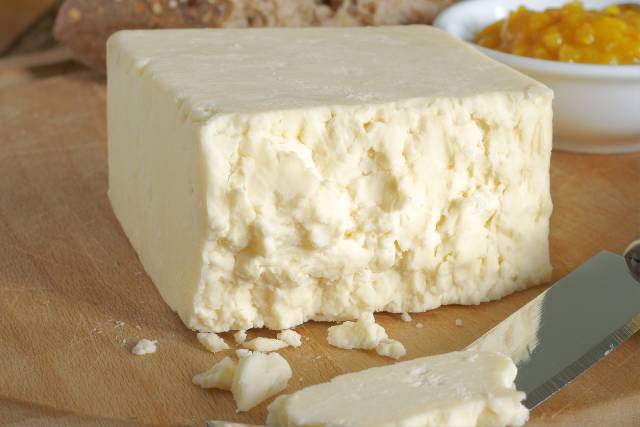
570	33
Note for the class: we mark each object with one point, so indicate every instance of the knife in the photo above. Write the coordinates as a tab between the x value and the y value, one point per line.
571	325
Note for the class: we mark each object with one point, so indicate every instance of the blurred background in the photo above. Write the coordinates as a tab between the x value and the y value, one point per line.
28	49
39	38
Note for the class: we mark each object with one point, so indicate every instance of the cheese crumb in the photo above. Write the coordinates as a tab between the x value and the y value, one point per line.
218	376
257	377
406	317
419	325
145	346
458	322
291	337
265	344
240	336
242	352
212	341
391	348
364	333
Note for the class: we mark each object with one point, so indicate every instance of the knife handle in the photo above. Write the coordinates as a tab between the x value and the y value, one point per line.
632	258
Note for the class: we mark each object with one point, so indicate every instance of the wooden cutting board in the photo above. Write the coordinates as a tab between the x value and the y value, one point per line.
74	298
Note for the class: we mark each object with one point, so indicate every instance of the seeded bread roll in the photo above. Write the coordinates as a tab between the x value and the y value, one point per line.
85	25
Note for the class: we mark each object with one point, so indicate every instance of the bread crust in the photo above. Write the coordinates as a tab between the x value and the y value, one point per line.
85	25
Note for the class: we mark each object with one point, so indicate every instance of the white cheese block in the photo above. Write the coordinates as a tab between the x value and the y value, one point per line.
259	376
212	341
450	390
219	376
272	176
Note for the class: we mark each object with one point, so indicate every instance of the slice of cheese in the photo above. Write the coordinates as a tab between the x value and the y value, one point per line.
450	390
259	376
218	376
214	423
273	176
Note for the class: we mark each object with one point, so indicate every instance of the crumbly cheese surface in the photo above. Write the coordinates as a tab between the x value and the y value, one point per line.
259	376
450	390
274	176
212	342
145	346
218	376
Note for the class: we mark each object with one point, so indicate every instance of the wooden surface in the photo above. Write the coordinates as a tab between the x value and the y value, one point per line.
68	277
28	67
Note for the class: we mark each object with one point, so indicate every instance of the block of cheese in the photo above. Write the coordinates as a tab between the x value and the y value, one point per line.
450	390
267	177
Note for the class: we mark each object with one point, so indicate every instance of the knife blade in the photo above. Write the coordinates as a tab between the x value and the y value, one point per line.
571	325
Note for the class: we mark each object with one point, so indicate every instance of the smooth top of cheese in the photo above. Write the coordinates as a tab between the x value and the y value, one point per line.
455	389
239	71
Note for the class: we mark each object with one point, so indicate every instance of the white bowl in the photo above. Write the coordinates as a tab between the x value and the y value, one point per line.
596	107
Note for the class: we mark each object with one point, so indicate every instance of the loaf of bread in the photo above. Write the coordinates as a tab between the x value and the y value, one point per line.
85	25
